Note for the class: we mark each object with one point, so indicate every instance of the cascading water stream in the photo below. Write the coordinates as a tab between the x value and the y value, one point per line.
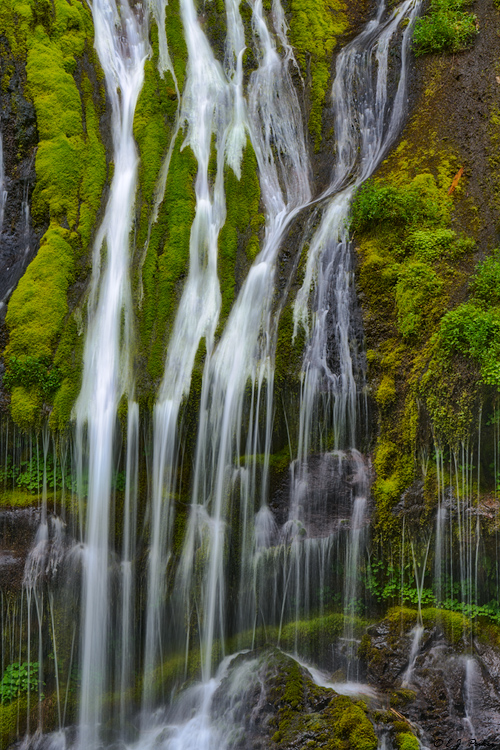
228	424
365	124
211	105
243	353
121	43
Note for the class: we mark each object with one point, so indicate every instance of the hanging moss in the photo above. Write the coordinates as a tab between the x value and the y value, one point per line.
176	42
39	304
153	120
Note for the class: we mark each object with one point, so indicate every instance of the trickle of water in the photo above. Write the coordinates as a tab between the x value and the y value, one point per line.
470	682
417	633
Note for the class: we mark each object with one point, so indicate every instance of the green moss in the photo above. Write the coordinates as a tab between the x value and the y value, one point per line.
455	626
16	18
12	721
412	265
241	228
153	120
418	293
289	350
25	406
400	698
93	168
39	304
386	392
68	359
167	258
315	26
176	41
407	741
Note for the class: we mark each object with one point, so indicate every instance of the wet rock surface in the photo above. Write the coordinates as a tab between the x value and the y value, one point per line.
18	527
322	499
18	240
452	692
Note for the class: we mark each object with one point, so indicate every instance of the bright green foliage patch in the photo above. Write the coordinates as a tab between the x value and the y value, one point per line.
378	203
314	28
411	266
407	741
445	28
18	679
475	333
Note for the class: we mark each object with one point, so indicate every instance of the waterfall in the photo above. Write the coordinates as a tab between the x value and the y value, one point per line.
120	34
244	353
278	570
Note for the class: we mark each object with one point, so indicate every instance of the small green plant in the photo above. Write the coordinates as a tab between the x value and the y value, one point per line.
377	202
17	680
486	283
475	333
445	28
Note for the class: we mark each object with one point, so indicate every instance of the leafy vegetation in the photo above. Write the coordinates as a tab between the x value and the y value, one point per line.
445	28
18	679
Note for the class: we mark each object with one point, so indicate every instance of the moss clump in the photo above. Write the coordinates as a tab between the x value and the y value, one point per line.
39	304
400	698
153	119
12	721
314	29
455	626
407	741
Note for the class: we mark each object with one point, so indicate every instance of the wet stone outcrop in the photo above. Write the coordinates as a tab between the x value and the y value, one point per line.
441	677
273	702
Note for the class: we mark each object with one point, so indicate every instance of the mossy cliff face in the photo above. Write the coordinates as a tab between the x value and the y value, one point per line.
52	43
425	230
